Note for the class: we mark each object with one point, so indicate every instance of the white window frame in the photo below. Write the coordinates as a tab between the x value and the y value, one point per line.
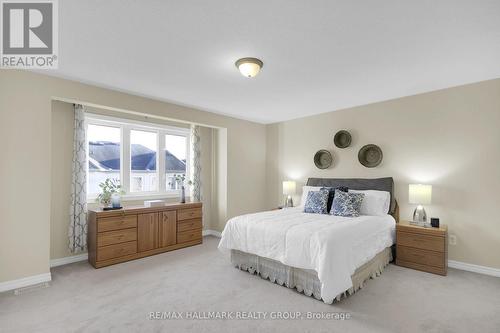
125	126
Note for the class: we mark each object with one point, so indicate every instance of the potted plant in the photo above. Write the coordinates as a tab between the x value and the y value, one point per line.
181	179
111	190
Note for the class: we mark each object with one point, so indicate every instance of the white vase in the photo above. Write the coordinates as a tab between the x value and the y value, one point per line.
116	200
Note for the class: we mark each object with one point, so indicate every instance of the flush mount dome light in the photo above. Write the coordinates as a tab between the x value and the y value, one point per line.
249	67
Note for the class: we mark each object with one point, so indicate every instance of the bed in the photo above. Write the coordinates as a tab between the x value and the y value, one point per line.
324	256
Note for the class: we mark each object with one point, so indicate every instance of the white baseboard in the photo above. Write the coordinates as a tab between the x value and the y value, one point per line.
25	282
68	260
208	232
474	268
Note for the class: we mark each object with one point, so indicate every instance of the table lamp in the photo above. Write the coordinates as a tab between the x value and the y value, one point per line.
420	195
288	190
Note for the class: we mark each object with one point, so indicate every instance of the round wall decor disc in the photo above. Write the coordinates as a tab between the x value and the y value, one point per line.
342	139
323	159
370	155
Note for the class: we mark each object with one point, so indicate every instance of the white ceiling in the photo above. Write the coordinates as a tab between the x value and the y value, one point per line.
319	56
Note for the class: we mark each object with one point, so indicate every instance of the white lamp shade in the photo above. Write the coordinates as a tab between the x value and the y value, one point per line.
419	194
289	187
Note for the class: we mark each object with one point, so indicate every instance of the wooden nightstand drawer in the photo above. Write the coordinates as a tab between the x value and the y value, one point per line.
421	241
421	248
424	257
422	267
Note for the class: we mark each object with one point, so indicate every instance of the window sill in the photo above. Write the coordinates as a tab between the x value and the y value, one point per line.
141	197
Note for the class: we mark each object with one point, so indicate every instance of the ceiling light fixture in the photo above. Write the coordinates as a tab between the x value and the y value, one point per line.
249	67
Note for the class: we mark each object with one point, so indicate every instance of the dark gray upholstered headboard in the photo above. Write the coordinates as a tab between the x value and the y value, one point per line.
380	184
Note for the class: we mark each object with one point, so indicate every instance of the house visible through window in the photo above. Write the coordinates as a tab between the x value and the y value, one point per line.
143	148
175	158
128	152
104	155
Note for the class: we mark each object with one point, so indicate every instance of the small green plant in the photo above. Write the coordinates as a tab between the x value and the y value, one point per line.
181	180
108	188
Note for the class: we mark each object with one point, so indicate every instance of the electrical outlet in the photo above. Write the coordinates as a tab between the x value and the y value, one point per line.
453	240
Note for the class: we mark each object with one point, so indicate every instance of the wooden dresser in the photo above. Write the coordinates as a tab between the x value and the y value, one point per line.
121	235
425	249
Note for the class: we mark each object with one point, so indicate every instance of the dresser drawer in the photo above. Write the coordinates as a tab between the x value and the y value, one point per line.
116	250
419	256
188	214
116	223
116	236
188	225
421	241
187	236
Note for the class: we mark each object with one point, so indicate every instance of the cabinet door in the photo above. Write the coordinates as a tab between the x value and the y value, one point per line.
147	232
168	228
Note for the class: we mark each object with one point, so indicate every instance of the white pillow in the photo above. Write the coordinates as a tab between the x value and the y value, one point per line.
305	191
375	203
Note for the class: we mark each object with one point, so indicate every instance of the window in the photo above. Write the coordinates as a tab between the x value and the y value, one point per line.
104	155
129	152
175	158
143	161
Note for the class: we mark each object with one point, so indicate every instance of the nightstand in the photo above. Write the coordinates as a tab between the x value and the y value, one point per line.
425	249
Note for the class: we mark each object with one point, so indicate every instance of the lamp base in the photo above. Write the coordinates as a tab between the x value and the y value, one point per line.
419	215
288	202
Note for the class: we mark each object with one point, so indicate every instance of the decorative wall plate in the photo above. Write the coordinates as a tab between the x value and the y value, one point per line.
323	159
342	139
370	155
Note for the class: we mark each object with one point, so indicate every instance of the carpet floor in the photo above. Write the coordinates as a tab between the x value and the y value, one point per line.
198	280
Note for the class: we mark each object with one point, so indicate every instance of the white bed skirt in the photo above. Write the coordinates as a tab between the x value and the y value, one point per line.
305	280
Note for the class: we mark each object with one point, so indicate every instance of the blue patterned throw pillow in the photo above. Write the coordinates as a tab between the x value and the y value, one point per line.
346	204
316	202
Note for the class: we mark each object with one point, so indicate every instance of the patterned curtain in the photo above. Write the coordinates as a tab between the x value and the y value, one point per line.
196	168
78	209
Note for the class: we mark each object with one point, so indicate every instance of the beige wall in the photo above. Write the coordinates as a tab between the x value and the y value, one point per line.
448	138
219	180
62	154
26	168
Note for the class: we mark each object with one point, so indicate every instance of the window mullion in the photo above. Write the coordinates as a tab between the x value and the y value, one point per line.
162	187
189	174
125	158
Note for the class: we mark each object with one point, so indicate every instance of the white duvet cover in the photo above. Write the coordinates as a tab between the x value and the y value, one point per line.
333	246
